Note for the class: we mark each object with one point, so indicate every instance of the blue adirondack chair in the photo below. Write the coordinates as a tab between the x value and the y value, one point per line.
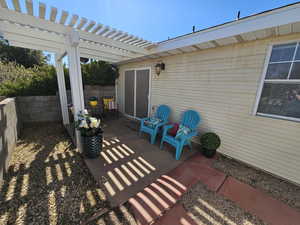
190	119
162	113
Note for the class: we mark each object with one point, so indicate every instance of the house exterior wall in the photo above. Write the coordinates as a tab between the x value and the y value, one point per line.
222	84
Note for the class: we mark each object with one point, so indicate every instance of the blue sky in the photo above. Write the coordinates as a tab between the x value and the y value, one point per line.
156	20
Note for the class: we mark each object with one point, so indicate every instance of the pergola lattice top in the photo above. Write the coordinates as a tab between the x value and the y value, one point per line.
25	29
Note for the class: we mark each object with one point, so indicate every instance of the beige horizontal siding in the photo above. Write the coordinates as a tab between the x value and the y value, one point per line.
221	84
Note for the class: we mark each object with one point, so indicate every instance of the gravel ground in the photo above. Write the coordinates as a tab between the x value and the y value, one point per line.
48	183
208	208
278	188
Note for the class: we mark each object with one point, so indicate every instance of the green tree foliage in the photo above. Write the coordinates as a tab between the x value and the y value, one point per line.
26	57
16	80
98	73
20	81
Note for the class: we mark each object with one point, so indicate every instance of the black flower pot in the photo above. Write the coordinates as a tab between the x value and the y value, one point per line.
92	145
209	153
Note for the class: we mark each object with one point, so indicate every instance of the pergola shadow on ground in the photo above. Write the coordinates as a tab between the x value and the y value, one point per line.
128	163
46	182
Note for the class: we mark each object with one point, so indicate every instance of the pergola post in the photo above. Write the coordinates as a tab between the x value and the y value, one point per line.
75	78
62	89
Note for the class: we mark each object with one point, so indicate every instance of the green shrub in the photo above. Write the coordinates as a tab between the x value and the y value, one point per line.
12	71
210	141
29	58
16	80
19	81
98	73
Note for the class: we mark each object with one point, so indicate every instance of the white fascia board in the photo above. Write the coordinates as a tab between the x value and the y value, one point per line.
282	16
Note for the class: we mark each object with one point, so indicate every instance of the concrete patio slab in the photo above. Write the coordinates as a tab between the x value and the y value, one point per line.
270	210
128	163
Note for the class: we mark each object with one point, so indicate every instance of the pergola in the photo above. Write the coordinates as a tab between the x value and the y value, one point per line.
70	36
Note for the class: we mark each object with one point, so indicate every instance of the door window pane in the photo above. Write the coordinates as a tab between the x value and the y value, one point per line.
295	73
142	92
129	92
298	54
278	71
283	52
280	99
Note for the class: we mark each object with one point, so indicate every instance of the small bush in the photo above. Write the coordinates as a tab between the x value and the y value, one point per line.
210	141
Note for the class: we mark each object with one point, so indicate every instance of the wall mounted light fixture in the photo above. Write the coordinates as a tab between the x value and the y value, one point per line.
159	67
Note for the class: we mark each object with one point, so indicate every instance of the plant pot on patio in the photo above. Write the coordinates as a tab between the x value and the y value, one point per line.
92	145
91	133
210	142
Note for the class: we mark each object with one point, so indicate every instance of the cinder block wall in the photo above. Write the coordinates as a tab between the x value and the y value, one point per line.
94	90
47	108
39	109
9	130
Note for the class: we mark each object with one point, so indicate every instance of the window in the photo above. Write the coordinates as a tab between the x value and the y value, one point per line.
280	91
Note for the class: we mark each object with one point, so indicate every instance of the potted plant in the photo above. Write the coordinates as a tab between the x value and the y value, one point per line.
91	133
93	101
210	142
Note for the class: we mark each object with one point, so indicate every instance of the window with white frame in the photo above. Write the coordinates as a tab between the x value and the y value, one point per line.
280	91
